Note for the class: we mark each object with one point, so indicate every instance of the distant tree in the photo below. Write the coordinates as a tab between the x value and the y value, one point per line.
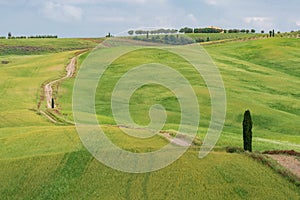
273	33
262	31
139	32
207	39
108	35
247	131
130	32
196	30
225	31
208	30
147	34
186	30
199	40
243	31
270	33
253	30
9	35
247	31
278	32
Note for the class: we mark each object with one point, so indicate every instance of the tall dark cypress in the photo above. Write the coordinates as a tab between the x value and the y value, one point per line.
247	131
52	103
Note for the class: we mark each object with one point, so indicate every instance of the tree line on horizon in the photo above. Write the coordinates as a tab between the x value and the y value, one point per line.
153	32
189	30
184	30
10	36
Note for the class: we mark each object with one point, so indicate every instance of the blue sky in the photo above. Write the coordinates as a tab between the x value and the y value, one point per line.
95	18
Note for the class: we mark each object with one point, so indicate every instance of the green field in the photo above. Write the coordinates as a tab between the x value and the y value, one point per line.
222	36
36	46
41	160
199	37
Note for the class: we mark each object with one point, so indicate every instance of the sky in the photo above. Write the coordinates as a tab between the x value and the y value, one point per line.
95	18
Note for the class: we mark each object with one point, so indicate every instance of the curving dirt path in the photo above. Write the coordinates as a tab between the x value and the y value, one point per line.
184	142
71	68
48	87
289	162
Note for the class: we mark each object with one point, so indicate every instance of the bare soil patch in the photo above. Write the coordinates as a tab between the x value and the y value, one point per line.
292	163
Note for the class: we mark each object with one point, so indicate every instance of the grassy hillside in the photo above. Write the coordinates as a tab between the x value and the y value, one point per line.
262	76
188	38
21	80
78	175
42	46
221	36
40	160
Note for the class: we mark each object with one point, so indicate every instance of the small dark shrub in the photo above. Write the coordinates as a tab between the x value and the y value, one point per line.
4	62
234	150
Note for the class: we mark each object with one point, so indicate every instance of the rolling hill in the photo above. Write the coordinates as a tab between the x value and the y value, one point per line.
42	160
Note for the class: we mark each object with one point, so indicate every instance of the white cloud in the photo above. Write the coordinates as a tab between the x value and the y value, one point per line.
193	20
131	1
93	2
256	19
6	3
260	22
211	2
110	19
61	12
217	2
192	17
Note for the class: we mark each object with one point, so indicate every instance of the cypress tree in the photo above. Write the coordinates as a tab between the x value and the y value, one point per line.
247	131
52	103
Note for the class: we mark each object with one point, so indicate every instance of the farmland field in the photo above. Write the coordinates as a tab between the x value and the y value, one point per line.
42	160
198	37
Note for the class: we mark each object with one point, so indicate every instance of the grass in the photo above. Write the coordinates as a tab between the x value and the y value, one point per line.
149	95
251	82
262	76
42	46
217	176
175	39
221	36
40	160
21	81
275	166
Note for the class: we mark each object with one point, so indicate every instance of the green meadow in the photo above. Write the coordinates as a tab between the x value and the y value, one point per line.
35	46
205	37
43	160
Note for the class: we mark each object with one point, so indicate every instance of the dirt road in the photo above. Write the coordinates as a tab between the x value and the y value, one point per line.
48	87
184	142
289	162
